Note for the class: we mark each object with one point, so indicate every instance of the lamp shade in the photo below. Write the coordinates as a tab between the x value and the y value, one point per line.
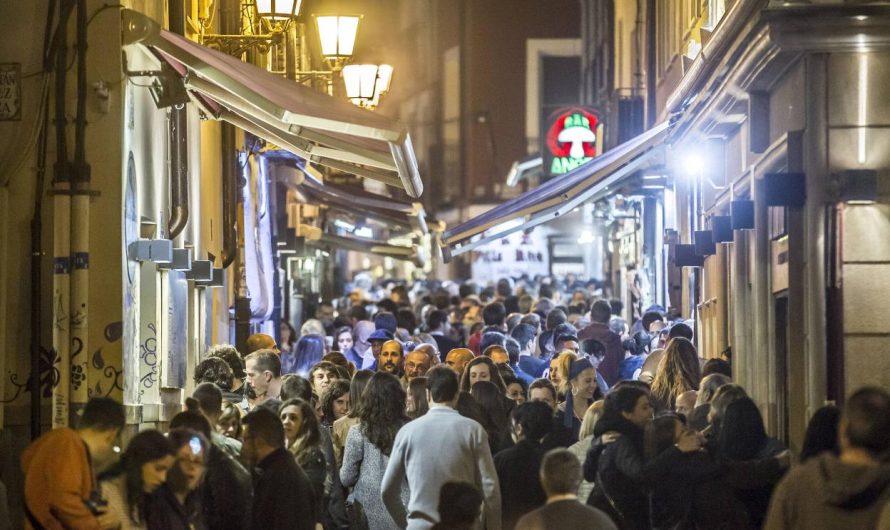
384	78
337	34
278	9
361	81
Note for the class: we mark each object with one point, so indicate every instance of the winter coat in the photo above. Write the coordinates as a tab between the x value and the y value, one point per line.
827	493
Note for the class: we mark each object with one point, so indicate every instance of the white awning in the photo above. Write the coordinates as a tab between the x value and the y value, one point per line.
313	125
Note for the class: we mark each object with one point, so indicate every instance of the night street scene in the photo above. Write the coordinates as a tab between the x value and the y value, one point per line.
444	265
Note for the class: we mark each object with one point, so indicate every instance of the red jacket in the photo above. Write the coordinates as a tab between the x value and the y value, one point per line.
58	478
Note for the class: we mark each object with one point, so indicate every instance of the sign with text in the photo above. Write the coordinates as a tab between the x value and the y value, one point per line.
512	256
571	139
10	92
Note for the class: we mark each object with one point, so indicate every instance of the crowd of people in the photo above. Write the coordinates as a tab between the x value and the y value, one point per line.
499	408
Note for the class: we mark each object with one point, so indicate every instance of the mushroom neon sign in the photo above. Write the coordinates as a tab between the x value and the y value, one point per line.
571	140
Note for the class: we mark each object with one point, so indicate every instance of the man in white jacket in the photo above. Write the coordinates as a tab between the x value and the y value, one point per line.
441	446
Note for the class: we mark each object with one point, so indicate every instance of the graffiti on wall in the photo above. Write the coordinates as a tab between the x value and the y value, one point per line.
104	377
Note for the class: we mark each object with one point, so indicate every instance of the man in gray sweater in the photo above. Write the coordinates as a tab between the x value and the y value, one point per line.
441	446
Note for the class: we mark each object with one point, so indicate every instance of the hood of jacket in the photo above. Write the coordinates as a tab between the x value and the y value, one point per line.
847	486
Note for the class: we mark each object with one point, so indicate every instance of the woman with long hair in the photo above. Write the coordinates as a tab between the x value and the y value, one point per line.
308	351
368	446
481	369
678	371
821	435
581	390
176	505
616	462
416	403
742	437
141	470
341	427
334	403
288	336
303	438
496	408
229	422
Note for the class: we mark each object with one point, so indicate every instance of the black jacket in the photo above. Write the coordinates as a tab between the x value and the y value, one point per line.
283	497
521	491
164	512
226	493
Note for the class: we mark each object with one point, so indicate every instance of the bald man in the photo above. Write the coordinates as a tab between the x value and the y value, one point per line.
458	358
417	363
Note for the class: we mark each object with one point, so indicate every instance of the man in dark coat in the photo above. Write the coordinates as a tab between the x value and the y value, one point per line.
598	329
283	497
518	466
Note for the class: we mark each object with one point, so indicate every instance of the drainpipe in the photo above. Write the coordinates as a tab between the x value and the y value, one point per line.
178	137
230	24
80	233
651	68
61	230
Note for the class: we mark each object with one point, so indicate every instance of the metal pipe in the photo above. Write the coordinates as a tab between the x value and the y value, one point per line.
230	24
179	171
61	231
79	223
178	138
651	67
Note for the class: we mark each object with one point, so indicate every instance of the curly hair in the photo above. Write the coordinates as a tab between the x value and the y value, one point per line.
492	369
309	433
335	391
230	355
678	371
214	370
382	411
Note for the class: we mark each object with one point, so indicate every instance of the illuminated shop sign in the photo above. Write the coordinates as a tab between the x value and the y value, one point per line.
571	139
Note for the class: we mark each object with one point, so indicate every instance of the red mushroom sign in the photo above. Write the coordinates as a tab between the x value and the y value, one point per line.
571	139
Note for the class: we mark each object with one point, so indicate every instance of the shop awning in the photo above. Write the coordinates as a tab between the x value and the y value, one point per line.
408	216
557	196
313	125
367	246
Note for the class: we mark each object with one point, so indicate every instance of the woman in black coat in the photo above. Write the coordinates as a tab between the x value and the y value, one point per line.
616	462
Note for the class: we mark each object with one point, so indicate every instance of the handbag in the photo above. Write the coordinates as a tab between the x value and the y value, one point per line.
356	515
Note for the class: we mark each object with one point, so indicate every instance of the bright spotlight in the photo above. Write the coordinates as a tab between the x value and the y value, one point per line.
694	164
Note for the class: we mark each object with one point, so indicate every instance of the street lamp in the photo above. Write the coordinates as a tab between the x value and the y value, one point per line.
276	10
365	83
337	35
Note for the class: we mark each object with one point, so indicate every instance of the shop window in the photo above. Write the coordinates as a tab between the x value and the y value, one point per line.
716	10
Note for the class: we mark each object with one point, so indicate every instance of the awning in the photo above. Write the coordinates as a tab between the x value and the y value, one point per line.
408	216
557	196
369	246
313	125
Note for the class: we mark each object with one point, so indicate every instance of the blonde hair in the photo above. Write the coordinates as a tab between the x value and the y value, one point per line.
593	415
564	362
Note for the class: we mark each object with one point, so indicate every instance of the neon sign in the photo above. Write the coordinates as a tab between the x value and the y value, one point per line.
571	139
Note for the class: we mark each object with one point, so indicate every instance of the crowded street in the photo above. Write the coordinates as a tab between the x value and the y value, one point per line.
444	265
